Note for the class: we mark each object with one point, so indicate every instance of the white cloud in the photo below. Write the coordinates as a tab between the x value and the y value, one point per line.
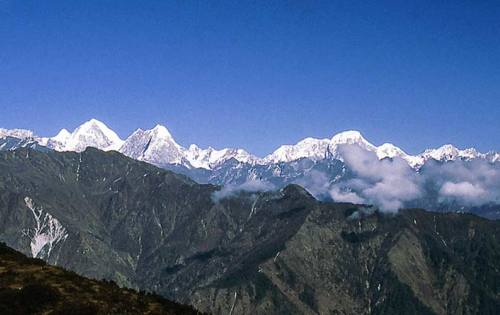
474	182
249	186
340	195
465	191
385	183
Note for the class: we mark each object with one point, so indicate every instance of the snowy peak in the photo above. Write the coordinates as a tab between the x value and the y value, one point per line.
162	132
448	152
350	137
317	149
155	146
389	150
307	148
16	133
92	133
62	136
210	157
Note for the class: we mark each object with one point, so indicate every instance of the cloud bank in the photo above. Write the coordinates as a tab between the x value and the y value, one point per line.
386	183
472	183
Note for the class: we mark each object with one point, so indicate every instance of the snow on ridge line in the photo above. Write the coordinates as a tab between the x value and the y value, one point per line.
288	153
157	146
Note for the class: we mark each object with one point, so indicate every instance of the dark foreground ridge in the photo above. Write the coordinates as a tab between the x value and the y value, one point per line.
30	286
107	216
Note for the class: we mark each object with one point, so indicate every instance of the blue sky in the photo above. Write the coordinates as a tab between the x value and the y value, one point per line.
256	74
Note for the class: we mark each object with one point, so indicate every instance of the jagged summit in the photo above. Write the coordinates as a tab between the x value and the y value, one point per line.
306	148
92	133
449	152
162	132
156	146
62	136
16	133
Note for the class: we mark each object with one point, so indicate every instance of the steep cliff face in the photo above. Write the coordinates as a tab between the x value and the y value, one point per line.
241	251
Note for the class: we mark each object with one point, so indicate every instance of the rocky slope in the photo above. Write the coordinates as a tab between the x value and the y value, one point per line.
240	250
30	286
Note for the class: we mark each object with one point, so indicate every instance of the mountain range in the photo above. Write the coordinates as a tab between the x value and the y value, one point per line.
345	168
157	146
246	250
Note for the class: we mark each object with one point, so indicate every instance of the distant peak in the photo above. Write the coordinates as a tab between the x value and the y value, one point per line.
16	133
94	122
193	147
310	141
388	146
389	150
345	136
351	137
92	133
447	147
161	131
62	135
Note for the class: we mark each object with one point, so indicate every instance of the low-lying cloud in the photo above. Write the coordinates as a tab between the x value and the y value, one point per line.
340	194
471	183
249	186
465	191
317	183
391	184
387	183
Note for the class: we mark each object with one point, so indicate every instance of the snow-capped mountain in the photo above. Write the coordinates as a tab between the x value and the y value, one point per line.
210	157
315	149
156	146
318	149
16	133
450	153
92	133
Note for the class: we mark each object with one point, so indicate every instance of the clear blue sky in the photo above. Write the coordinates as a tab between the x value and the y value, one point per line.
256	74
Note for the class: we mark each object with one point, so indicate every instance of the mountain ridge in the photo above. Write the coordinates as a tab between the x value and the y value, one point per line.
163	149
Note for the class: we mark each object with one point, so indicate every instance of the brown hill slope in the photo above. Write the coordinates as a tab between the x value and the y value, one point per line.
30	286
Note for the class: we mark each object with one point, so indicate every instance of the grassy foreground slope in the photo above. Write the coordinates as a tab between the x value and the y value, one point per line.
30	286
